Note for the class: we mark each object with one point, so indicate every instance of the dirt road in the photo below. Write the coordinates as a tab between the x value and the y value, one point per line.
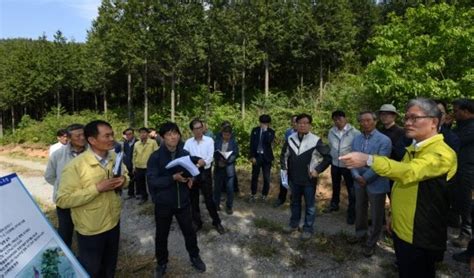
253	246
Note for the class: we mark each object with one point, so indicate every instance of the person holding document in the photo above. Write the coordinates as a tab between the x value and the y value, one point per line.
172	188
88	187
202	146
225	155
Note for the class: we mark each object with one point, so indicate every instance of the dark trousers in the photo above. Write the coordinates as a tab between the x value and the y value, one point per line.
131	184
203	184
337	173
163	218
266	168
282	194
236	184
463	197
140	179
65	225
414	261
98	253
221	179
307	192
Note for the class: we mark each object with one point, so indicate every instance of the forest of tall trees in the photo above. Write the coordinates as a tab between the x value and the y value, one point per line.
154	60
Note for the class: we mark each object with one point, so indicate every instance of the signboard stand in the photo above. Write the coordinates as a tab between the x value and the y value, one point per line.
29	245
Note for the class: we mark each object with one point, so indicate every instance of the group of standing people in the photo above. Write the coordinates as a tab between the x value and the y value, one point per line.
416	164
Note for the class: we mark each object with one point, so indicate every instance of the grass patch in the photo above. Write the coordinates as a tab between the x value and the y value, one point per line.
443	267
268	225
298	261
23	155
333	245
24	171
134	265
260	246
364	271
147	209
259	249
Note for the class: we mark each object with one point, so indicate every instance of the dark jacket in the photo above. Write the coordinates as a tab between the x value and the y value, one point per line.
300	157
169	193
465	132
220	160
396	135
450	138
267	139
128	155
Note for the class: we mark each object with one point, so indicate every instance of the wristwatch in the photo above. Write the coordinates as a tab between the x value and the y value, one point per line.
370	160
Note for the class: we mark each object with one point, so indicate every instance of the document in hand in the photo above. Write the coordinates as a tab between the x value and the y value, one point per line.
186	163
225	155
117	166
284	178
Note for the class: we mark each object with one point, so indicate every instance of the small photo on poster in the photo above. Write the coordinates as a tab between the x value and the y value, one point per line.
50	262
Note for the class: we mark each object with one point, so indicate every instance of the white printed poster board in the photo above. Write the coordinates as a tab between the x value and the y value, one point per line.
29	245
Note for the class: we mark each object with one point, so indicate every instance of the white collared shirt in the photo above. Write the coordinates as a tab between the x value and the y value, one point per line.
203	149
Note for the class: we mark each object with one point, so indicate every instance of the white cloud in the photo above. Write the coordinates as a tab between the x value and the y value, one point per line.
86	9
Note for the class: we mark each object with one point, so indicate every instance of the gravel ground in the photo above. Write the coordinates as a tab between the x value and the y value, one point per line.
253	246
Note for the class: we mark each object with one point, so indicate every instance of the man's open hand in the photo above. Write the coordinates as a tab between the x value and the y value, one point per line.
110	184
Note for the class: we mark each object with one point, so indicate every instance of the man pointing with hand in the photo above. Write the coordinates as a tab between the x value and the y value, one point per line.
419	201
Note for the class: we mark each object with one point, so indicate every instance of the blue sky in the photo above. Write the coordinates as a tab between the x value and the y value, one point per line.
32	18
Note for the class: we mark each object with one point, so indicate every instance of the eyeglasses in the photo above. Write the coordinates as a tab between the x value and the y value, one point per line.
198	127
413	119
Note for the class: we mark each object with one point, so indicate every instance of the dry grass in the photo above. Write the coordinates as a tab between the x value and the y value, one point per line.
266	224
133	265
147	209
263	246
21	170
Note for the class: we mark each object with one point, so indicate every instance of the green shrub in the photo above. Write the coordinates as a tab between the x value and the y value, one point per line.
44	132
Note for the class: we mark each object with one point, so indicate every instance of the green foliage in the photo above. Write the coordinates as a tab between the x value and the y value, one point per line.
44	131
49	263
428	52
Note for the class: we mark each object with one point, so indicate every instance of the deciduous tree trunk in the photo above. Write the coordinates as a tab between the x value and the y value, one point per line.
320	77
129	98
73	95
58	101
145	95
267	77
104	91
12	110
243	83
1	124
172	96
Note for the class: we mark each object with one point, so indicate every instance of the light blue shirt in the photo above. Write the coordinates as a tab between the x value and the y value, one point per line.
374	143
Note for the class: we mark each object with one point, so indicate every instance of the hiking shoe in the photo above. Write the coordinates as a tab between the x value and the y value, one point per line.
306	235
278	203
198	264
462	257
461	241
330	209
142	201
356	239
160	271
368	251
263	198
252	199
350	220
289	229
220	229
218	207
229	211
